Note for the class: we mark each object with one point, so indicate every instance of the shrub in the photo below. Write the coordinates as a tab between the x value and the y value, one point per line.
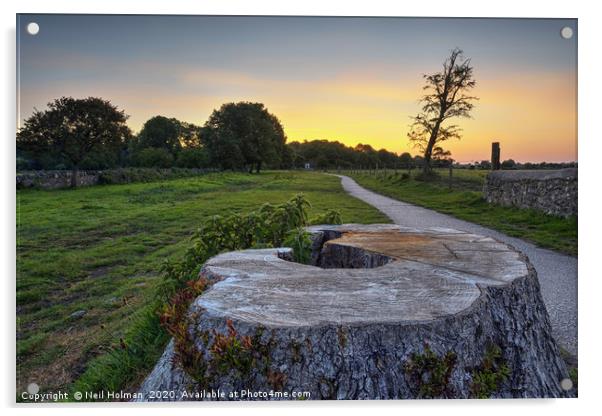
300	241
24	164
332	216
192	157
493	371
98	160
269	226
429	374
266	227
153	157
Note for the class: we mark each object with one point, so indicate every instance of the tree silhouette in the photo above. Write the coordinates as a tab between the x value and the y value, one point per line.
447	97
244	135
168	133
73	128
160	132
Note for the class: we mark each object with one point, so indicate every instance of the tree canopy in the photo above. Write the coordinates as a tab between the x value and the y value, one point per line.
324	154
166	142
73	128
236	136
244	135
168	133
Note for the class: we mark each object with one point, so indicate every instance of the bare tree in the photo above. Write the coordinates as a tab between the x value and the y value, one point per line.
447	97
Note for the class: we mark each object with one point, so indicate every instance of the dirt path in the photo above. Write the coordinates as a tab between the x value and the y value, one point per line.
557	272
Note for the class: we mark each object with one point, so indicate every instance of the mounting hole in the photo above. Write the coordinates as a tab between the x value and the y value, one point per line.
33	28
33	388
566	32
566	384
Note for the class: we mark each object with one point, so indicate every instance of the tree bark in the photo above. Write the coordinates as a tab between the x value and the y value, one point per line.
75	176
429	148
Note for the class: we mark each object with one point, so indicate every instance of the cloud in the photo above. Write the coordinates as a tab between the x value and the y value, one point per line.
532	113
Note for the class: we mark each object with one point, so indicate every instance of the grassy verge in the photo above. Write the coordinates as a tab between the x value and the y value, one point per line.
462	198
97	251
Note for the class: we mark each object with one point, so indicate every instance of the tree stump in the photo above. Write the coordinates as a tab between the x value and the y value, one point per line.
383	312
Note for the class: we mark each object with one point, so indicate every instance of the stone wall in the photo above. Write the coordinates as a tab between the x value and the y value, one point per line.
551	191
56	179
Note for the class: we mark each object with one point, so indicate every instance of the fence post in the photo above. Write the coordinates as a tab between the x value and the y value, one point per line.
495	155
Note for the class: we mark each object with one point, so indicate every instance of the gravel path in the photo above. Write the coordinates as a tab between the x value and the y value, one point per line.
557	272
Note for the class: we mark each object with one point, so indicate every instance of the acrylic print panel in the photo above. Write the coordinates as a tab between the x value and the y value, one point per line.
295	208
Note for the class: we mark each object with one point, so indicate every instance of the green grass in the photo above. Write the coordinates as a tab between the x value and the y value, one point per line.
99	249
463	199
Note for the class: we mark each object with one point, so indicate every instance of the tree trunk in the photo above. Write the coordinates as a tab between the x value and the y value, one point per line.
382	311
258	166
429	148
75	176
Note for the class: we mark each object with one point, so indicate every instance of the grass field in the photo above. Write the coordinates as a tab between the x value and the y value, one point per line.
462	197
99	249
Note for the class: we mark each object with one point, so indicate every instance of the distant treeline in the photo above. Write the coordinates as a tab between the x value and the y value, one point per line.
324	154
510	164
92	134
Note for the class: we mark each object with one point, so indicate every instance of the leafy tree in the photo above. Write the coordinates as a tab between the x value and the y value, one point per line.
367	156
405	160
417	161
447	97
193	157
509	164
154	157
244	135
324	154
387	159
100	159
190	135
169	134
73	128
289	158
485	164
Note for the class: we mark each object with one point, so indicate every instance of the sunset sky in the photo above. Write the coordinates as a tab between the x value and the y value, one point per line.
347	79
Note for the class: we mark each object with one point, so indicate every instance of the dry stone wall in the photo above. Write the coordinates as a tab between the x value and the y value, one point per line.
553	192
57	179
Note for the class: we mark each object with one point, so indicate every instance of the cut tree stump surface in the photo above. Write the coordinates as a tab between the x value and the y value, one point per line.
557	273
362	320
428	275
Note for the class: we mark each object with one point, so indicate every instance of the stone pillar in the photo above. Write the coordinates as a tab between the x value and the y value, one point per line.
495	156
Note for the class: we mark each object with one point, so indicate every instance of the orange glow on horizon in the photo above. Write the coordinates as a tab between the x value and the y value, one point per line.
533	115
534	118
